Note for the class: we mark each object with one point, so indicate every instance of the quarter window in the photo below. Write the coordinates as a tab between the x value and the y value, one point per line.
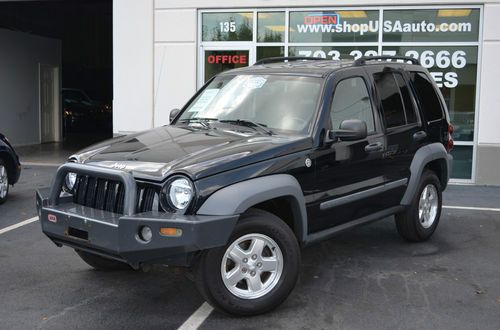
351	101
427	96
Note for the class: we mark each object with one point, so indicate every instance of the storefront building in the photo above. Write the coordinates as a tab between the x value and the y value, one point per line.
184	43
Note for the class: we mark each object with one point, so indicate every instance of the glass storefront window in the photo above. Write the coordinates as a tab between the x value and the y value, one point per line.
270	51
454	69
462	162
217	61
227	26
334	26
431	25
271	26
333	53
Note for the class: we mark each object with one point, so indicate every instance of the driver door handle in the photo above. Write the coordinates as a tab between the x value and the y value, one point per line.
372	147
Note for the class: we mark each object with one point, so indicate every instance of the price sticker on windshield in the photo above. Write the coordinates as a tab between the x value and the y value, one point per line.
205	99
255	82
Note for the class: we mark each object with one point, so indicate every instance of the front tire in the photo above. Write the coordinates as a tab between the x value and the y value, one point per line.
256	270
102	264
421	218
4	182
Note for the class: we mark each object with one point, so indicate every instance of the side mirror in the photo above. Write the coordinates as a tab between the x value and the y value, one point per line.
350	130
173	114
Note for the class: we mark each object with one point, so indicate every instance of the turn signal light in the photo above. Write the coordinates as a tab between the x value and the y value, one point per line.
172	232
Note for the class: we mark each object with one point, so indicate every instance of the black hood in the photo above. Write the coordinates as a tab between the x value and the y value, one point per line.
159	152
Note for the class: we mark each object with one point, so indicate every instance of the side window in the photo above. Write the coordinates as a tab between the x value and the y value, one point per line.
351	101
392	104
411	117
426	93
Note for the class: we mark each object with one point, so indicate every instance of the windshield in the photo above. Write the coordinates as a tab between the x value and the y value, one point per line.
276	102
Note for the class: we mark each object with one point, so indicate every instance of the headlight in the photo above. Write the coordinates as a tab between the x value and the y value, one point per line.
177	194
70	181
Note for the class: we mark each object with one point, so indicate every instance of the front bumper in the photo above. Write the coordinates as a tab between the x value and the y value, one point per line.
115	236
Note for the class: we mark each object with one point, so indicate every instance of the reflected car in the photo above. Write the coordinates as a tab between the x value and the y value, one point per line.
10	168
81	113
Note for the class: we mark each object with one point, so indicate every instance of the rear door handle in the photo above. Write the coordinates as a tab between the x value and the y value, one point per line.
419	136
372	147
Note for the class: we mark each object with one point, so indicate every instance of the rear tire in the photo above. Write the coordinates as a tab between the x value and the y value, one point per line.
102	264
419	221
255	271
4	181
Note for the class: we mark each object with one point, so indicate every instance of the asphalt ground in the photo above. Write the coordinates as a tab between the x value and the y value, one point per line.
365	278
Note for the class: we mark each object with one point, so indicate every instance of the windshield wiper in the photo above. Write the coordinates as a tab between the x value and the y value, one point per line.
202	120
249	123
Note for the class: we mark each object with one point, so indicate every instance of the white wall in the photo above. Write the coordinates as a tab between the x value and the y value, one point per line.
489	98
133	23
20	56
175	60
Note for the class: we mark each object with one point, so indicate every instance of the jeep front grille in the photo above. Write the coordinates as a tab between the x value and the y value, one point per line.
148	198
109	195
97	193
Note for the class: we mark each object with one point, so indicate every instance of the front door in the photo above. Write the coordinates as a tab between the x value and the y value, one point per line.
218	59
350	174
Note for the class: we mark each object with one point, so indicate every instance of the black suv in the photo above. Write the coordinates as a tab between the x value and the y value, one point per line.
10	167
260	162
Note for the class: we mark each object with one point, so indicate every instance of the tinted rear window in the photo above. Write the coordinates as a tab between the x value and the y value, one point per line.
388	91
427	96
405	94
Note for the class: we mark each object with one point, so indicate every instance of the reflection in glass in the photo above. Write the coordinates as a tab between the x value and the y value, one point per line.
270	51
334	26
351	101
462	162
227	26
431	25
278	102
271	27
333	53
217	61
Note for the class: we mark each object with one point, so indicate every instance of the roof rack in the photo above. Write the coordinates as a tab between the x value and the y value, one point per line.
289	59
364	59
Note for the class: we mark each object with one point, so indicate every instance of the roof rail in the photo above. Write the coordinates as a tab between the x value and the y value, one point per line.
364	59
290	59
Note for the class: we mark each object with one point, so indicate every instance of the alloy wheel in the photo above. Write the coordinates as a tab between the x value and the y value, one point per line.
4	181
252	266
428	206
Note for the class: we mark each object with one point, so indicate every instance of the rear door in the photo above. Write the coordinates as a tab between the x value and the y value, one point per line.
403	126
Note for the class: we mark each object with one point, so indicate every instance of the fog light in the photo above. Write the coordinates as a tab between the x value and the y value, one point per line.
145	234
